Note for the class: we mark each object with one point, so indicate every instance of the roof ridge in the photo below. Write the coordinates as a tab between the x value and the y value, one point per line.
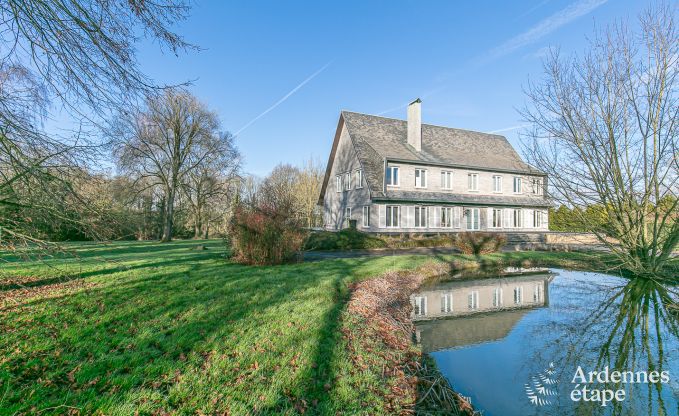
425	124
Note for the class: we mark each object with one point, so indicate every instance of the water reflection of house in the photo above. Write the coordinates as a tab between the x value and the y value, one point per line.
477	310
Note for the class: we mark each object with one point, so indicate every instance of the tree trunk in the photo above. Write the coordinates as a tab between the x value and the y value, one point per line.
169	214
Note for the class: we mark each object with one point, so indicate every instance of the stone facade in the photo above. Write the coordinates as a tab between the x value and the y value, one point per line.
454	203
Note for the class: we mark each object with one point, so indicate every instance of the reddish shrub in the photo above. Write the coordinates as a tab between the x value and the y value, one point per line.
478	243
264	236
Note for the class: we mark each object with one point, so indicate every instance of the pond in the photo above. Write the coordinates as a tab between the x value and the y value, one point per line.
525	341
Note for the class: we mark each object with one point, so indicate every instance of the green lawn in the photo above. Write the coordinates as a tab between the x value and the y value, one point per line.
156	328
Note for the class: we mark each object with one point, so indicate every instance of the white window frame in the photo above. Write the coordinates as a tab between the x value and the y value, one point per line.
495	220
498	300
446	303
517	184
497	184
347	213
446	179
391	175
473	300
537	186
420	306
421	177
537	218
420	212
473	182
517	218
518	295
359	178
470	219
392	216
347	181
446	217
338	183
537	293
366	216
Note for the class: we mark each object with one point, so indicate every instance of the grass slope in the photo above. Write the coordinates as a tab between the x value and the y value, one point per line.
161	328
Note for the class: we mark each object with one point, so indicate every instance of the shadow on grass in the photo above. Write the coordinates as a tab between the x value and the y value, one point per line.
177	334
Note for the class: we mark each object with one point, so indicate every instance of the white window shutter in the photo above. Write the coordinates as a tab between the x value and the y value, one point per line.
435	219
410	217
527	218
382	209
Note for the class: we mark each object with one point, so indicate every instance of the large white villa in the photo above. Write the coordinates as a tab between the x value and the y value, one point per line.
404	176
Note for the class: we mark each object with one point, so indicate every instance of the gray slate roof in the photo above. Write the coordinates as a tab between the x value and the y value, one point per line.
447	197
377	138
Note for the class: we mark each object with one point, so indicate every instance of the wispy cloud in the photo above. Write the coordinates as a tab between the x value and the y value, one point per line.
282	100
545	27
506	129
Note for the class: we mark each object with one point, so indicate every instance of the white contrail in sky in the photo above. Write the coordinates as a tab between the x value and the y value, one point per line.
520	126
285	97
545	27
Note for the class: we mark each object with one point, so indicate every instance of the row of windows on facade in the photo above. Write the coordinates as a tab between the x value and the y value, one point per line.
343	181
450	217
420	307
393	179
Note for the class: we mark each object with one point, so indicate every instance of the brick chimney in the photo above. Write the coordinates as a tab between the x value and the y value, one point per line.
415	124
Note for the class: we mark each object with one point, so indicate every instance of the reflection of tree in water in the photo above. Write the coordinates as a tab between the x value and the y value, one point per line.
631	331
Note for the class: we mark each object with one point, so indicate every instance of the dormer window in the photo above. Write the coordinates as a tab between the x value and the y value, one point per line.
420	178
392	176
517	185
473	181
446	179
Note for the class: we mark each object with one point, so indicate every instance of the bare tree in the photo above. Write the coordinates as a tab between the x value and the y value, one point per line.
81	55
161	146
605	129
307	188
209	188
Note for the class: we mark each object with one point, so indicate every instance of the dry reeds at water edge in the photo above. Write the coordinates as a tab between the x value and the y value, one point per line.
381	309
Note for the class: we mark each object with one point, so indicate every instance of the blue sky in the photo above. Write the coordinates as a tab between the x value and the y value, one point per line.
306	61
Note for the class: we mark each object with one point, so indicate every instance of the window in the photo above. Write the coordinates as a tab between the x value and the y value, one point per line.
537	293
497	184
536	186
446	180
497	218
473	300
473	181
447	217
497	297
338	183
420	305
537	218
347	181
517	185
518	295
420	178
366	216
347	213
393	215
420	217
359	178
392	176
516	218
472	218
447	303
